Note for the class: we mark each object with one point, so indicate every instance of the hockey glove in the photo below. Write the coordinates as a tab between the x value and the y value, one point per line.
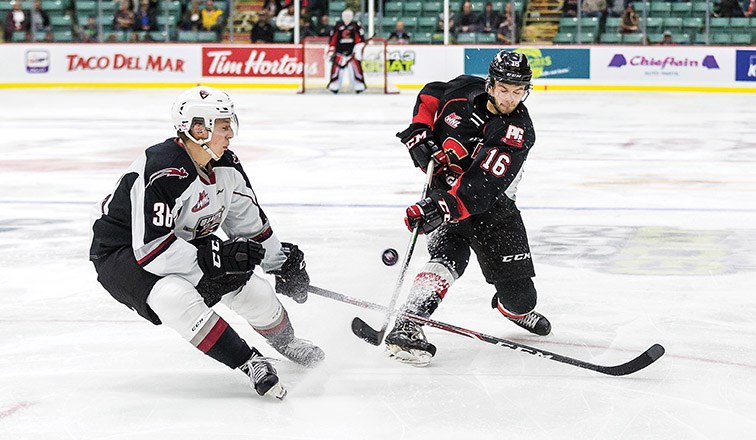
419	140
427	215
237	256
292	279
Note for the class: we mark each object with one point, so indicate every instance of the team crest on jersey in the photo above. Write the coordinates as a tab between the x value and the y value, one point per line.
207	224
515	136
202	203
168	172
453	120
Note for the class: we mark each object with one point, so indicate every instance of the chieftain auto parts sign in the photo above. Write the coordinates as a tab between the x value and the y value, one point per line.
661	63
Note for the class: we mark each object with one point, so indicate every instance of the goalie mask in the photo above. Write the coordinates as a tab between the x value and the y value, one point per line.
347	16
510	68
203	104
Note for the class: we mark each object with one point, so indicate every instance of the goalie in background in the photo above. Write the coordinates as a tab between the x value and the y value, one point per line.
345	53
155	250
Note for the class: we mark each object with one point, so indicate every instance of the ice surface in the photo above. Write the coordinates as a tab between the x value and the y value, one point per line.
641	212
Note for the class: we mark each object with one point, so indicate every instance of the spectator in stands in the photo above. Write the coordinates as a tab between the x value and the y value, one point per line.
615	8
144	20
273	7
40	22
440	25
263	30
88	32
749	6
729	8
285	19
323	29
16	20
667	39
213	19
399	36
507	26
629	21
306	28
594	8
468	19
192	18
489	20
569	8
317	7
123	20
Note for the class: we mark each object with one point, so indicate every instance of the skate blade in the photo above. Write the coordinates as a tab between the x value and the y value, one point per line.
416	358
277	391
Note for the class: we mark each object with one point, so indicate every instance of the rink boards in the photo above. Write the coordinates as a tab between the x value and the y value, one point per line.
274	66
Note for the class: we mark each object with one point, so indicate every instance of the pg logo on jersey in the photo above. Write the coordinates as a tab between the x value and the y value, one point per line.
515	136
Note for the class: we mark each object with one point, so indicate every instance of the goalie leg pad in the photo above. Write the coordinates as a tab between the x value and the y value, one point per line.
358	77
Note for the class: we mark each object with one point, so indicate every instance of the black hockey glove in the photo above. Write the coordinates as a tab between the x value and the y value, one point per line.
422	146
236	256
427	214
292	279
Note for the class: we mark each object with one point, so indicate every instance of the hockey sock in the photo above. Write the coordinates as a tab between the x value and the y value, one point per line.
429	288
221	342
278	333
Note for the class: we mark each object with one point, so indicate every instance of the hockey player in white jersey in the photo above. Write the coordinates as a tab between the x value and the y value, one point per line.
155	246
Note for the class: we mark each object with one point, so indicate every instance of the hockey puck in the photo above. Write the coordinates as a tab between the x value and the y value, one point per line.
390	257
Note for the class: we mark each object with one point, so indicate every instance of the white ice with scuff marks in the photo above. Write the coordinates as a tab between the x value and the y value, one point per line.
641	212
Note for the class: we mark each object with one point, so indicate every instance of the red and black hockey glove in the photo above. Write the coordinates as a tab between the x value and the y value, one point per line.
422	147
427	215
292	279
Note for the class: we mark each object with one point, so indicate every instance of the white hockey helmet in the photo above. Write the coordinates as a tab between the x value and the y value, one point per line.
206	103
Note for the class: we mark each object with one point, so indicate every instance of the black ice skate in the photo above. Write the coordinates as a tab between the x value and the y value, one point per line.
407	343
533	322
263	377
302	352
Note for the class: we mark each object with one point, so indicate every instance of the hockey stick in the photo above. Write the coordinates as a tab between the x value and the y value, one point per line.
640	362
360	327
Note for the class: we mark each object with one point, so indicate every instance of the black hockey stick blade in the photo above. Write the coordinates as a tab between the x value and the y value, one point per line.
645	359
363	331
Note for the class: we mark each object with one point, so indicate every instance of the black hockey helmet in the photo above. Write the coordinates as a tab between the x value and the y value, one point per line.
510	68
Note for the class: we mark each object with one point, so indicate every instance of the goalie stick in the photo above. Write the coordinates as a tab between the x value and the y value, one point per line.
359	327
638	363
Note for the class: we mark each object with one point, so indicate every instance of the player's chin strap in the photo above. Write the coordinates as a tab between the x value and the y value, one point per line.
203	143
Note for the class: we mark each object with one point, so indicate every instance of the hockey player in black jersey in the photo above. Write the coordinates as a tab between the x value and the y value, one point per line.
155	247
479	133
345	52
